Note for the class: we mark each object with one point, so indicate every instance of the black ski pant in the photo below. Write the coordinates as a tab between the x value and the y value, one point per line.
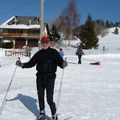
79	59
46	82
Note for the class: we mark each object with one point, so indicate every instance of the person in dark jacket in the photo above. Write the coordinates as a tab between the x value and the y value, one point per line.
46	60
79	53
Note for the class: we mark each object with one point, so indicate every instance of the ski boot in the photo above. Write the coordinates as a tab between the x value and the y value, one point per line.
41	116
54	117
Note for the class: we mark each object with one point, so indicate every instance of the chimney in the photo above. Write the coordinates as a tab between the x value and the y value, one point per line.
29	22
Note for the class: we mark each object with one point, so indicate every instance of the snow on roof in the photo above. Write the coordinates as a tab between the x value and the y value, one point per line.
20	26
8	20
34	26
6	41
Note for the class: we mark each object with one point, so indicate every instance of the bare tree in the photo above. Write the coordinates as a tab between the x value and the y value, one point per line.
100	27
68	20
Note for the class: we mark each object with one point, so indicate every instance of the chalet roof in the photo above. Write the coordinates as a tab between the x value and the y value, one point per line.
22	22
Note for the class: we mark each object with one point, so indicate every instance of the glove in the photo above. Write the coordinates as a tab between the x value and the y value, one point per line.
65	63
83	53
76	53
19	63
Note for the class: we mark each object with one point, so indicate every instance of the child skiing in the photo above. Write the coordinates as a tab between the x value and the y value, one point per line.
61	52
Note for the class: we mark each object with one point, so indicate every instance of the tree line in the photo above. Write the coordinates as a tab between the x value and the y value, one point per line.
67	25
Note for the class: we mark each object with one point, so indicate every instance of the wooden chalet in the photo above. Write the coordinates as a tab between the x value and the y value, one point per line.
22	31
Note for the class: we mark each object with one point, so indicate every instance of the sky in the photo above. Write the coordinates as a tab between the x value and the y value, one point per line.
98	9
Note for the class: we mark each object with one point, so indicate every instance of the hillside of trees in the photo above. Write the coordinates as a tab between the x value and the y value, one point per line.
68	24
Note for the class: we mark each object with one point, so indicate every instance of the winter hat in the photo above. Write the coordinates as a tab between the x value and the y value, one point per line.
45	39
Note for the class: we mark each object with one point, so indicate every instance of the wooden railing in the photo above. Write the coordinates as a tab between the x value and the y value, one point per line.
18	53
25	35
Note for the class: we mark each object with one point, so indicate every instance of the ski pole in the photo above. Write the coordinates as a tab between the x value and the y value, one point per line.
60	90
4	100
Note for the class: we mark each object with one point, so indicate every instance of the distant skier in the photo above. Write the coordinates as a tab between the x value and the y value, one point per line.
61	52
79	53
46	60
104	49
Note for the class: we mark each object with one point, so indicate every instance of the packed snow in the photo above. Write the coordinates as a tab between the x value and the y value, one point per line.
89	92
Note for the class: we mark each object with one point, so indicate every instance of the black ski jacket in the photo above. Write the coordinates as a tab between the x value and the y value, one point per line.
46	61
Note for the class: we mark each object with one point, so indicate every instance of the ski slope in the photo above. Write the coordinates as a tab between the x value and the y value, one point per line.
89	92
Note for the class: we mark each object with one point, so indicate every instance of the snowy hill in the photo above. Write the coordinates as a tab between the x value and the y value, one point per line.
111	41
88	92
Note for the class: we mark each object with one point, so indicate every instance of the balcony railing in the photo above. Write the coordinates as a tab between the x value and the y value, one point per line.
22	35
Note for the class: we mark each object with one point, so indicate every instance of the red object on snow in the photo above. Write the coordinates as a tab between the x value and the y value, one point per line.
95	63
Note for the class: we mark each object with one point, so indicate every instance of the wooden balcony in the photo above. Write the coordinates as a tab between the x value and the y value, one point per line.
19	35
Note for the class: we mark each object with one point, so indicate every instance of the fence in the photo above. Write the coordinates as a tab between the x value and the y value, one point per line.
18	53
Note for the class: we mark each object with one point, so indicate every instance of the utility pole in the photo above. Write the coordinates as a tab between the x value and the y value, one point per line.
41	20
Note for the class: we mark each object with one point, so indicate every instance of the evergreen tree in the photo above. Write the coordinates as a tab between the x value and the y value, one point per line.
107	24
116	31
54	35
87	35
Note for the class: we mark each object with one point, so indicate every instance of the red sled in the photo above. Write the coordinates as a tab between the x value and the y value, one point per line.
95	63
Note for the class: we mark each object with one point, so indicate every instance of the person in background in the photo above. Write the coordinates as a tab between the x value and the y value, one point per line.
104	49
61	52
46	61
79	53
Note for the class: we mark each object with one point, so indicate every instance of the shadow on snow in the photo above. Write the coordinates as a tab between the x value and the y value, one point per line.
29	102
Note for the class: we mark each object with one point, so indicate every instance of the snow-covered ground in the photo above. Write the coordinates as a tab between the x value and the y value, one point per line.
89	92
